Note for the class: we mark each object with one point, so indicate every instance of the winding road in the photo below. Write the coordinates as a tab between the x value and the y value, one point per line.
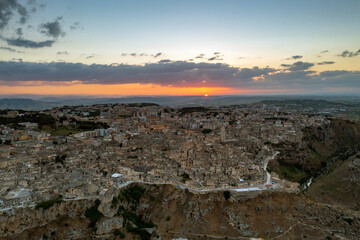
268	175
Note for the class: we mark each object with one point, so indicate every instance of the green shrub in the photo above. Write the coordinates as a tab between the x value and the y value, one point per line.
206	131
49	203
227	195
114	201
144	235
292	172
185	177
117	232
93	214
132	194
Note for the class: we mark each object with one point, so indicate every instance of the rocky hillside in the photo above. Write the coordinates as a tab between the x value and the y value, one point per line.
165	212
320	148
341	186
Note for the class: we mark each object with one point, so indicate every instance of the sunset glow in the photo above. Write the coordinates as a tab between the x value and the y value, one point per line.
129	51
116	89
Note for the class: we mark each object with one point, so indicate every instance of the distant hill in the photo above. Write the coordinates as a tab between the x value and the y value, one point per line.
179	101
162	100
25	104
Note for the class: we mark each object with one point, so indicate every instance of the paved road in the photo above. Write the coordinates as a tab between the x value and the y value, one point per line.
268	175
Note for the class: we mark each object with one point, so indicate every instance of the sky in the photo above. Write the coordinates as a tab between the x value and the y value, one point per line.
197	47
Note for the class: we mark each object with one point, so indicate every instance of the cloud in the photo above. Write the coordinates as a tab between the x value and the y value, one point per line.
21	10
11	50
75	26
158	54
20	42
9	9
141	54
165	61
298	66
17	59
325	51
91	56
52	29
347	53
255	72
334	73
202	55
63	53
174	73
19	32
165	72
311	80
325	63
215	58
295	57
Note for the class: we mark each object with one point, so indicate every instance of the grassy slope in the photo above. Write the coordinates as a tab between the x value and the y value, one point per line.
339	187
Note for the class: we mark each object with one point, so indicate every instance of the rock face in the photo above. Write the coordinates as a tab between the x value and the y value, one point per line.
106	206
14	221
109	225
181	214
320	147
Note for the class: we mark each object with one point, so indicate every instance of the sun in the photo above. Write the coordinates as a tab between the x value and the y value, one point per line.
206	95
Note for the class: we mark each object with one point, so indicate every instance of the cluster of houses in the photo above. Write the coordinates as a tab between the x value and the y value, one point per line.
218	148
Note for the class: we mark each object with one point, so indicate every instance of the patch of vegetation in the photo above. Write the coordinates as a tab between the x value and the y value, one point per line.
60	159
144	235
80	126
94	113
186	110
141	104
89	126
137	220
185	177
227	195
93	214
63	131
206	131
231	122
118	232
39	118
49	203
292	172
133	222
114	201
132	194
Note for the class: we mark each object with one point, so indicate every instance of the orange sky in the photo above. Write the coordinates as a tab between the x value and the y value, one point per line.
123	89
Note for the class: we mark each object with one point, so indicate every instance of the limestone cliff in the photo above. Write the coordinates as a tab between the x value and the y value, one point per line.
165	212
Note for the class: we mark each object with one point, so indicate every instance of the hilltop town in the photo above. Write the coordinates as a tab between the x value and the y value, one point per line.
201	149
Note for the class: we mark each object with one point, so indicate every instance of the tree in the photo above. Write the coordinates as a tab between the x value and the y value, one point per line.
206	131
60	159
227	195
